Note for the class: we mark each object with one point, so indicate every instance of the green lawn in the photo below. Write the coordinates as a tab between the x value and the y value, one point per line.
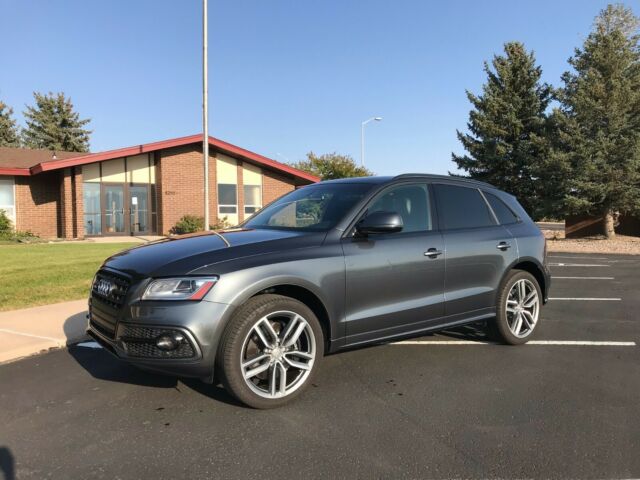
39	274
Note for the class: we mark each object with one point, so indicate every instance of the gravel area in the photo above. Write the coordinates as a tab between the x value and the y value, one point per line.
598	244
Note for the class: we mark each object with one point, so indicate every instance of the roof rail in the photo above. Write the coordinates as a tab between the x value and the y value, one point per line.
443	177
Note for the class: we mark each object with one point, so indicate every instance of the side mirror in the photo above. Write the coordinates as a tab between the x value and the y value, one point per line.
380	222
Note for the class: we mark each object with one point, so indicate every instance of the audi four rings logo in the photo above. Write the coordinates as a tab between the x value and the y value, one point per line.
105	287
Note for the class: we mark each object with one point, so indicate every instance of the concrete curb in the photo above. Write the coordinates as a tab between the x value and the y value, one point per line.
30	331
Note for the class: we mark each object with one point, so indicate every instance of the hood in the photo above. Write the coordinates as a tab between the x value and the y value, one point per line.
182	255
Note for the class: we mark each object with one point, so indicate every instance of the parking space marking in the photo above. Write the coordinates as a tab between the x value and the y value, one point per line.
585	343
602	299
577	265
574	256
585	278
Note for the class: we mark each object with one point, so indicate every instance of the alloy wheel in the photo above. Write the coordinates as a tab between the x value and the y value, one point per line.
278	354
523	308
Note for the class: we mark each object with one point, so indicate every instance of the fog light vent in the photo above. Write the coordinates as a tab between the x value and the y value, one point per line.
150	342
170	341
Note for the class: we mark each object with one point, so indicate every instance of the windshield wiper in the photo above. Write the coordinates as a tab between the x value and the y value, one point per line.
221	237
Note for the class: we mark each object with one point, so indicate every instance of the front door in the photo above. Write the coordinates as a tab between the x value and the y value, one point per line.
139	209
113	210
393	285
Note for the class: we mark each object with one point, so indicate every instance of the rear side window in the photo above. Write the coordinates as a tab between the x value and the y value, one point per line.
462	207
504	213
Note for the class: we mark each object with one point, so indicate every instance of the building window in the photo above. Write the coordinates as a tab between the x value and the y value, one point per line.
92	217
8	198
252	199
227	199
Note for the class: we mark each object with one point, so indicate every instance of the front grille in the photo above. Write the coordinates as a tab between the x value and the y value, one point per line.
110	288
141	342
103	322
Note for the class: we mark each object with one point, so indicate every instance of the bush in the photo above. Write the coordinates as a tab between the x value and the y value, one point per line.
188	224
6	227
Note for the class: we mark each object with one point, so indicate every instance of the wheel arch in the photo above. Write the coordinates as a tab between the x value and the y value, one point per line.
535	268
307	297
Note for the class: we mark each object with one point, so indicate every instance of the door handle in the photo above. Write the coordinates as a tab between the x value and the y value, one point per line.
503	246
433	253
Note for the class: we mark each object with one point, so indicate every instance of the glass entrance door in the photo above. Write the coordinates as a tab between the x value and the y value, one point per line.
139	208
113	209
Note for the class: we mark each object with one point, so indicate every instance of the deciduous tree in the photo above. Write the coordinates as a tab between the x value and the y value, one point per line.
331	166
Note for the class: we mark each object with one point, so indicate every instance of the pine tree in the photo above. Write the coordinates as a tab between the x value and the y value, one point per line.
53	124
9	133
601	104
508	140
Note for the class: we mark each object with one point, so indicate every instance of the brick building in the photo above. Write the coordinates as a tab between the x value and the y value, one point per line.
140	190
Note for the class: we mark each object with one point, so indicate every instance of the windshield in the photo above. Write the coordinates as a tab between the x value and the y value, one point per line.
314	208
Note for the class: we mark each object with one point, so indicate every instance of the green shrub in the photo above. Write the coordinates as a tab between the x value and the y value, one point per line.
5	224
188	224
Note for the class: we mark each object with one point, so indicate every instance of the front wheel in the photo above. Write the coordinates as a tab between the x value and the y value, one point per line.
517	309
270	351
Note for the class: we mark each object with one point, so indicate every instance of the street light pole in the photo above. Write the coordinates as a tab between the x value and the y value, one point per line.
377	119
205	114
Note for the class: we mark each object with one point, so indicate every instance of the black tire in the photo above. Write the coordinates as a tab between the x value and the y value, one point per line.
498	328
237	336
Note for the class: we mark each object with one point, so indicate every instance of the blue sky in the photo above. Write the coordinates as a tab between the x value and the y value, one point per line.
286	77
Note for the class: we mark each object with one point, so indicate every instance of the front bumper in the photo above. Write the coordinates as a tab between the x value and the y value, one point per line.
136	327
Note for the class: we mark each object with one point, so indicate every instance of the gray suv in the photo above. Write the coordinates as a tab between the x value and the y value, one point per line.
331	266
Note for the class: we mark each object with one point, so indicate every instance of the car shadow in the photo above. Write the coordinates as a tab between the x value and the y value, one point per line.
101	365
7	464
475	332
75	327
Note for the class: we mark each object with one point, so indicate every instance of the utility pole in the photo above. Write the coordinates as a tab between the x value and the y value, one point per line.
205	114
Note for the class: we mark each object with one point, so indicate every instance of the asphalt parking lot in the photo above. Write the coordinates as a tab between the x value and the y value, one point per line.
442	406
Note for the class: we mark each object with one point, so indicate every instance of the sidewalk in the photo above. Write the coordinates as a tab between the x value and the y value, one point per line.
30	330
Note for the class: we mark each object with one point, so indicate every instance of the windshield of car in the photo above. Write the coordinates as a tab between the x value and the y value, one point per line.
314	208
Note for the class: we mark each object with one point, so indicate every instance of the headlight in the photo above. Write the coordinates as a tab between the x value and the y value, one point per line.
179	288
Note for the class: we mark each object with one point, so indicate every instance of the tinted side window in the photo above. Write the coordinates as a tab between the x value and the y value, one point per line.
411	202
462	207
504	213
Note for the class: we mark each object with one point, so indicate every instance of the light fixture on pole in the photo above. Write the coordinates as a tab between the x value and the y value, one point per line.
377	119
205	114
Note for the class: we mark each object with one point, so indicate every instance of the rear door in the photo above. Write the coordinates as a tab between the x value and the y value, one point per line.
393	284
478	250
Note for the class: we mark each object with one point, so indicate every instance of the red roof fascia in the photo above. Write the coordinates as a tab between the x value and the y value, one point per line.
176	142
14	171
235	150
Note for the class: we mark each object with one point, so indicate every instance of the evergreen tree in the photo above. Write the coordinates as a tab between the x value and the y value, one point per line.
53	124
9	133
601	105
508	141
331	166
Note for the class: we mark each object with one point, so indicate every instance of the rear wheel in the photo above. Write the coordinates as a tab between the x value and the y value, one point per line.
270	351
517	309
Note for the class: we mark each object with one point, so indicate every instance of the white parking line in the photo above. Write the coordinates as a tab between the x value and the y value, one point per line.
532	342
577	265
587	299
585	278
573	256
